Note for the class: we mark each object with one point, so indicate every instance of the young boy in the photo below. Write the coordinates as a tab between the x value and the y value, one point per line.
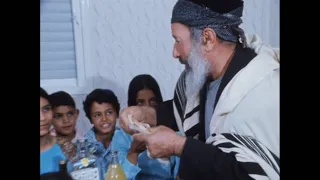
50	152
102	109
65	115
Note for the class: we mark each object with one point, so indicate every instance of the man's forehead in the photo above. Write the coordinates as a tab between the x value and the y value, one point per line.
179	29
177	25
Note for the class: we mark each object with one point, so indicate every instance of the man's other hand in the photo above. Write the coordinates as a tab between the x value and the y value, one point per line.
162	142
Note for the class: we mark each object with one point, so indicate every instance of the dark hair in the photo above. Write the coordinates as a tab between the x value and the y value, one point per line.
143	81
44	94
100	96
56	176
61	98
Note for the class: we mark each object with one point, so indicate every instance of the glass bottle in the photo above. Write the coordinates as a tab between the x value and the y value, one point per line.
85	166
115	170
63	165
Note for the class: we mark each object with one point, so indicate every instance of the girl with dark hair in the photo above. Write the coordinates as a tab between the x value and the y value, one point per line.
144	91
50	151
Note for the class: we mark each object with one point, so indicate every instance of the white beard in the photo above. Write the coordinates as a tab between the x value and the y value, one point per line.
198	70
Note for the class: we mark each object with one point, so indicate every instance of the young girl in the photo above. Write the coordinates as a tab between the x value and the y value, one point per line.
102	109
144	91
50	151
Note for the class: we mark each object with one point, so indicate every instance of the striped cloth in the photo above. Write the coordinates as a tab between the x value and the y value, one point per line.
184	111
255	158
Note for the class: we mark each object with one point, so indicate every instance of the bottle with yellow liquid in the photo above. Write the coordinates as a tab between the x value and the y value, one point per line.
115	170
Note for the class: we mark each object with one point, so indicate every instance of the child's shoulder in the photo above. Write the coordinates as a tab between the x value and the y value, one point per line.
120	132
121	136
90	135
54	150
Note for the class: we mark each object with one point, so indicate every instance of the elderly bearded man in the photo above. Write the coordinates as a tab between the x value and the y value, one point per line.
227	97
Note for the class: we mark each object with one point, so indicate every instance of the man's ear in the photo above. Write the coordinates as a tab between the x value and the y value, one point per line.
209	39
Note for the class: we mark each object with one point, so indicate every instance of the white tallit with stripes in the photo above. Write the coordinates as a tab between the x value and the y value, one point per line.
246	120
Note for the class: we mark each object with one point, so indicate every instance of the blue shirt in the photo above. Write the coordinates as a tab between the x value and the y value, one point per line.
146	168
49	159
97	148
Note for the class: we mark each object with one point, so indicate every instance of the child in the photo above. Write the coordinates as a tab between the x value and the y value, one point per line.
144	91
50	151
65	115
137	164
102	109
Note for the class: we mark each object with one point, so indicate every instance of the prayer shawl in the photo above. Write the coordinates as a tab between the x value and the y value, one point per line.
245	121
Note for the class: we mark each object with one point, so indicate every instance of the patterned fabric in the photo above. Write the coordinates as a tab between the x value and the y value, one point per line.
255	158
186	111
250	151
226	26
180	94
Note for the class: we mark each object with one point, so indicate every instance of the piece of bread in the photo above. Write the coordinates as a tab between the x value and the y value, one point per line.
138	126
144	128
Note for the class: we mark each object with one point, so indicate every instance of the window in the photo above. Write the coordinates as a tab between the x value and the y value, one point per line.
62	45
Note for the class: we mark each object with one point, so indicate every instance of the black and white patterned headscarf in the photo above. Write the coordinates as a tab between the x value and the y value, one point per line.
226	25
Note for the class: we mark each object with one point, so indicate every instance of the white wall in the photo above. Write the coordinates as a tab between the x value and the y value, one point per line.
129	37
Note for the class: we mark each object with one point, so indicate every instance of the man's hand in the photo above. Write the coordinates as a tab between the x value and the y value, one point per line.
162	142
141	114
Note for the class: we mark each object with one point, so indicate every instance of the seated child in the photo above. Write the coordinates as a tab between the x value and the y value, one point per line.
50	151
137	164
65	115
102	109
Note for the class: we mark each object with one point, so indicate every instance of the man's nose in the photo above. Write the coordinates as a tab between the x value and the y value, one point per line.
175	53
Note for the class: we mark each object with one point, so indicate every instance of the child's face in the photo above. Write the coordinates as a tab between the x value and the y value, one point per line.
103	117
64	119
45	116
146	97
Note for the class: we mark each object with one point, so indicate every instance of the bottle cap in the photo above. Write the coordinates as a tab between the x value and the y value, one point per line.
62	161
